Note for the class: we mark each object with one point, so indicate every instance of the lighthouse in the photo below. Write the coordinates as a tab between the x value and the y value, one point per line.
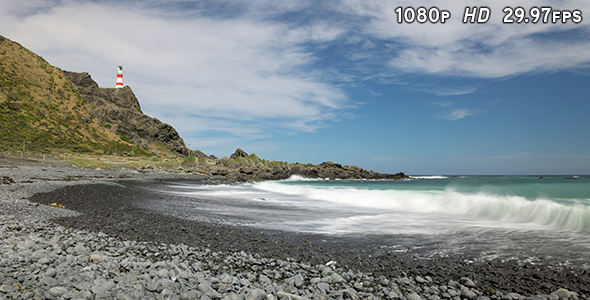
119	77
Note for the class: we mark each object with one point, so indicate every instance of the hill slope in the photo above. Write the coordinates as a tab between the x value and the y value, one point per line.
39	107
47	110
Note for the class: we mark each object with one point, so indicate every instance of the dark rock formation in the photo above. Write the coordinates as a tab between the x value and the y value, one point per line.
242	167
89	90
120	109
239	153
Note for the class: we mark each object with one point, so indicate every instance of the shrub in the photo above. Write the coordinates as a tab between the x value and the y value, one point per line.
189	160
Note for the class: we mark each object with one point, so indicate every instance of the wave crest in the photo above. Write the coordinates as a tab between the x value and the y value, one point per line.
478	206
301	178
429	177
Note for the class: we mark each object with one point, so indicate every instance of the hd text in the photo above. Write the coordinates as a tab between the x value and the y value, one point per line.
482	14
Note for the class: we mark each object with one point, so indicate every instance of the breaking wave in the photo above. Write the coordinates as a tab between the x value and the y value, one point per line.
301	178
429	177
475	206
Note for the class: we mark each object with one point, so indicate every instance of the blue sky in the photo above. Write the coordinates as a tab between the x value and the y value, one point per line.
311	81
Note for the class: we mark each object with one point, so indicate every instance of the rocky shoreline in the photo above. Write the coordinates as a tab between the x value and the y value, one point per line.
103	246
241	167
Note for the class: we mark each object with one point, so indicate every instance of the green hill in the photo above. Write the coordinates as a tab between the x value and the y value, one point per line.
42	110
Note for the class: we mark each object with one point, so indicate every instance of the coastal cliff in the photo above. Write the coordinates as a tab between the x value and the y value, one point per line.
120	110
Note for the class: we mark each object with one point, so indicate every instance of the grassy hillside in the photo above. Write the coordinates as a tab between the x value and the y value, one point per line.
41	110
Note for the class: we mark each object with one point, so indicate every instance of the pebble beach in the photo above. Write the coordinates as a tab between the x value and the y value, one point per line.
70	233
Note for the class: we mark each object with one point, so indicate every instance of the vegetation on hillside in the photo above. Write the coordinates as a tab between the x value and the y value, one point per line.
41	111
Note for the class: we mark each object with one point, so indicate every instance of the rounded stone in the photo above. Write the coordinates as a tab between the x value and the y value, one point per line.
153	286
414	296
468	294
324	287
49	281
51	272
419	279
58	291
109	285
562	293
5	288
162	273
44	261
256	294
467	282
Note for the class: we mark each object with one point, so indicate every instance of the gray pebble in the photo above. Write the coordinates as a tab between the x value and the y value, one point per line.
324	287
44	261
413	296
49	281
419	279
58	291
153	286
256	294
515	296
50	272
468	294
562	293
167	293
467	282
163	273
284	295
27	295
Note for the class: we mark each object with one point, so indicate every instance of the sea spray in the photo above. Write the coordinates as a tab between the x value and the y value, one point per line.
480	205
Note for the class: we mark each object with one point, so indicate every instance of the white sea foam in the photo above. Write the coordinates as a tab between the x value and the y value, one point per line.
403	214
429	177
302	178
503	210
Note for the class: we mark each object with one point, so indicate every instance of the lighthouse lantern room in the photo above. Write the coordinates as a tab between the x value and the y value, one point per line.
119	77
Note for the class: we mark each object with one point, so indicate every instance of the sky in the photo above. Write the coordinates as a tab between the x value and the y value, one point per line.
312	81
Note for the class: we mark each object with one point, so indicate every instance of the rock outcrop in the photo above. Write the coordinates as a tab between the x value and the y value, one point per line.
243	167
239	153
120	109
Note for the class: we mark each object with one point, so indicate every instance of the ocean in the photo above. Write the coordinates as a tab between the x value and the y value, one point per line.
527	218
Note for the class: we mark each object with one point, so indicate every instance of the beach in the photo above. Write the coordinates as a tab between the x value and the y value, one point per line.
105	244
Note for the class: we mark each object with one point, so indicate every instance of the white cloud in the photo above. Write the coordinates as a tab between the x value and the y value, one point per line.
251	72
490	50
448	91
460	114
254	68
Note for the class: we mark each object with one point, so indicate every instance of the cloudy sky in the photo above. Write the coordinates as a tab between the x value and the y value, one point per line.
310	81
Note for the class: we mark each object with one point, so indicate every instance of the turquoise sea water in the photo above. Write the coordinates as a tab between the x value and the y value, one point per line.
526	217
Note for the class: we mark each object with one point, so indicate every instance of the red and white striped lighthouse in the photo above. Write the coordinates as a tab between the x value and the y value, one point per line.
119	77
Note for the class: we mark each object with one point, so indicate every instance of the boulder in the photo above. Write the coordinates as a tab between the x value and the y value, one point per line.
239	153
